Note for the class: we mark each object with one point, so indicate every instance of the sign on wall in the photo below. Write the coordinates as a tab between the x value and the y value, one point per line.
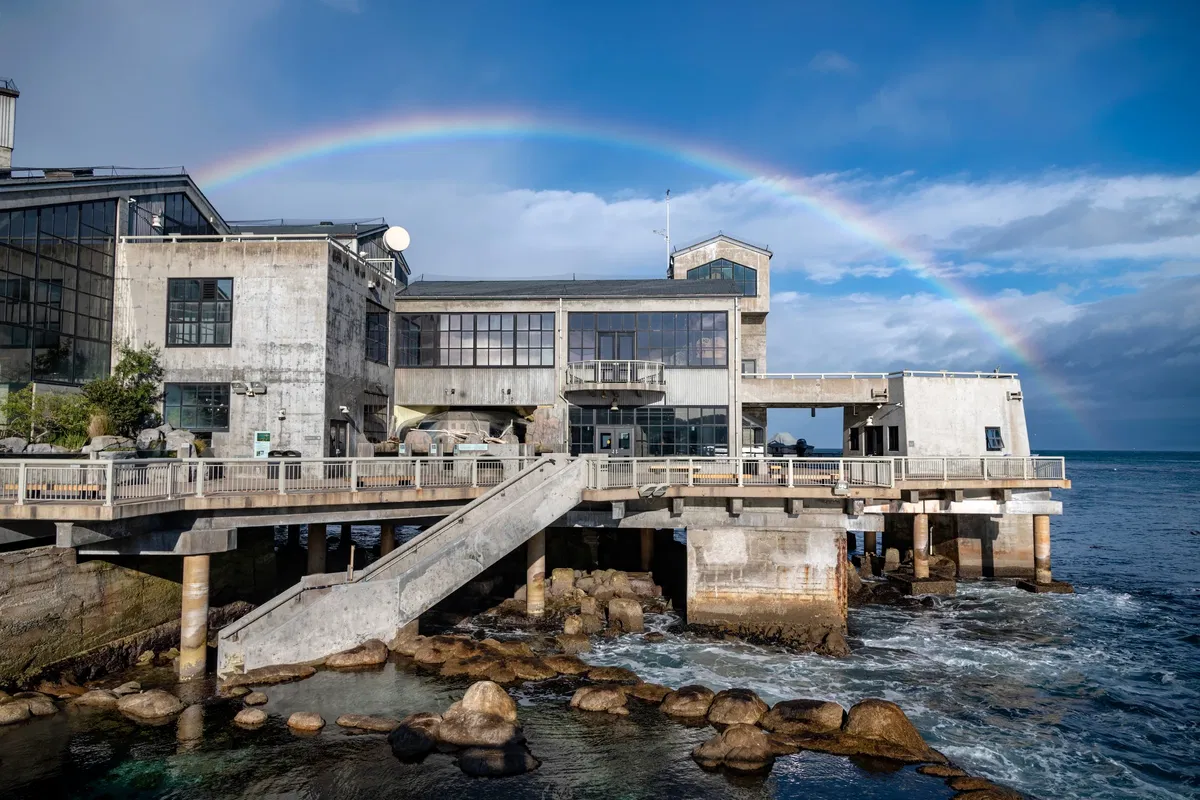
262	443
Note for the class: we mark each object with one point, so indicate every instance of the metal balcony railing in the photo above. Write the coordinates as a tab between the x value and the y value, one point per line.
646	373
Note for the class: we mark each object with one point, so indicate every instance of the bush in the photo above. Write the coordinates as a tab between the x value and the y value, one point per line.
54	418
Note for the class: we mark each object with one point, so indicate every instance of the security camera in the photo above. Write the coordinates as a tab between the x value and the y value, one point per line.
343	409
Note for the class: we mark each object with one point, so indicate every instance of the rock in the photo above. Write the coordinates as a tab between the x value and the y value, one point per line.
653	637
415	736
145	658
151	439
41	448
101	443
603	593
572	625
430	653
886	722
488	698
14	711
649	692
39	704
613	675
834	644
688	701
250	717
305	721
511	648
626	615
530	669
150	705
522	593
13	444
573	644
739	748
588	605
463	728
269	676
562	581
417	442
132	687
941	771
996	792
566	665
238	691
368	654
804	716
586	584
493	762
610	699
255	699
736	707
365	722
406	645
62	691
97	698
177	440
891	559
500	673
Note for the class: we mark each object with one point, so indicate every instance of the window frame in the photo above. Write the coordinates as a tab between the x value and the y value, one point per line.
378	311
684	335
893	438
179	387
995	445
499	342
200	311
703	272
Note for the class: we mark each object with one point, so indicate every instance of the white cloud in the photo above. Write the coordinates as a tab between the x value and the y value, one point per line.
832	61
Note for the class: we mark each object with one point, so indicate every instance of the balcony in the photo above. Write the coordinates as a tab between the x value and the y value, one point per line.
621	382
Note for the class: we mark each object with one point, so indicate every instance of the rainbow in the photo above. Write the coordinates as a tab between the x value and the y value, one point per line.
476	126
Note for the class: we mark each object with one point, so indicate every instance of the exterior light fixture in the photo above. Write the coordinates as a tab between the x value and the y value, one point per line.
614	406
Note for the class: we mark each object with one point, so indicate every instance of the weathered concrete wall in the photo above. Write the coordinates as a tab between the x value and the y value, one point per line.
985	546
475	386
947	416
762	580
740	253
54	605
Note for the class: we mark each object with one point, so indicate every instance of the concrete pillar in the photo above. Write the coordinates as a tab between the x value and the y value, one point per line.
647	548
920	546
535	575
387	538
1041	548
193	628
316	548
869	543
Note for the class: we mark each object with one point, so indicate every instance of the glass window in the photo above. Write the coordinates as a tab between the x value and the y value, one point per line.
749	366
159	215
994	440
375	420
199	312
197	406
725	270
677	339
377	334
854	443
893	438
666	431
481	340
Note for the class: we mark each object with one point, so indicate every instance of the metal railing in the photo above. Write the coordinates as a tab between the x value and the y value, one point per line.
132	481
646	373
907	373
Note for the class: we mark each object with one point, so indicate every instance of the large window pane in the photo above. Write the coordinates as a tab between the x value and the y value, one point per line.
197	406
199	312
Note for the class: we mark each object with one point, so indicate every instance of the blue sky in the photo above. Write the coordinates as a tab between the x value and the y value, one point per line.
1043	154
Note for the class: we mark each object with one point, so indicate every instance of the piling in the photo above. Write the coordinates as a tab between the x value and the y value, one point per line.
870	542
535	575
1041	549
387	538
193	629
316	548
920	546
647	548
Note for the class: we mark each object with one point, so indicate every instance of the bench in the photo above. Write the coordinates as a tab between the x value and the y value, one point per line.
372	481
83	491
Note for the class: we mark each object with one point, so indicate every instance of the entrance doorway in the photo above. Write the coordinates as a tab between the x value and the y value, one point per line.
615	346
338	438
615	440
874	440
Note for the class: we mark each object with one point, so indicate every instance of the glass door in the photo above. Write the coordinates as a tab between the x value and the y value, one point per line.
615	440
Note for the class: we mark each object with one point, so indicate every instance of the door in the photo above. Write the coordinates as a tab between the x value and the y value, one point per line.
874	440
615	440
625	346
338	438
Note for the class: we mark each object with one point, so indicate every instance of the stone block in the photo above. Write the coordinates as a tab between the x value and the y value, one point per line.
1054	587
931	585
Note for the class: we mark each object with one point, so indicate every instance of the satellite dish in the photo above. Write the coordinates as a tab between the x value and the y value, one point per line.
396	239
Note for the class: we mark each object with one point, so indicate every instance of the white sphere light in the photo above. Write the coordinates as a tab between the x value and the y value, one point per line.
396	239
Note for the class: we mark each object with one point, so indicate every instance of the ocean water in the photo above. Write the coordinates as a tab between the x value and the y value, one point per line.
1091	695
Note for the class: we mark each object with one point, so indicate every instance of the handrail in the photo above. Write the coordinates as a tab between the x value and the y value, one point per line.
649	373
905	373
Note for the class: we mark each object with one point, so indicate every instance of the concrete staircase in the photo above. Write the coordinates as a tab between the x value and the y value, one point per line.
324	614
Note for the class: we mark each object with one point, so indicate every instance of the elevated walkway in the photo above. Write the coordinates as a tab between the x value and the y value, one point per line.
816	390
327	613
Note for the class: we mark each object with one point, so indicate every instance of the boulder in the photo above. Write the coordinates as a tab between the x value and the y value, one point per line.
250	717
255	699
588	605
417	443
562	582
497	762
649	692
566	665
739	748
626	615
150	705
179	440
572	625
305	721
269	676
573	644
621	585
415	736
42	448
406	645
891	559
941	771
430	653
885	722
14	711
39	704
530	669
610	699
688	701
364	722
463	728
736	707
603	593
237	691
100	443
486	697
653	637
511	648
97	698
585	584
61	691
834	644
13	444
368	654
613	675
151	439
804	716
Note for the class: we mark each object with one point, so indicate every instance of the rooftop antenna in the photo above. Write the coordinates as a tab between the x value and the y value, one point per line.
666	232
